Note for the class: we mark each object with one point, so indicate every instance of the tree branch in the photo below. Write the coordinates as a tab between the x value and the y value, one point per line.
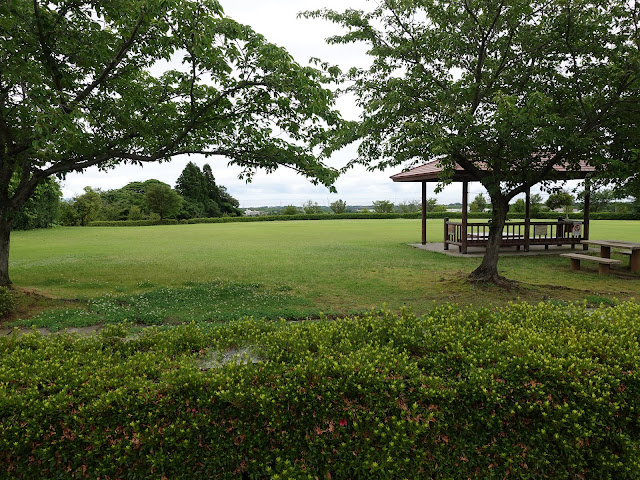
415	50
124	48
49	61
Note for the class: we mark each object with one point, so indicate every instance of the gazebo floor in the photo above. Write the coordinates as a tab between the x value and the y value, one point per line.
504	251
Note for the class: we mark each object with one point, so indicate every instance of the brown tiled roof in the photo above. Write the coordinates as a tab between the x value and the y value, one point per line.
430	172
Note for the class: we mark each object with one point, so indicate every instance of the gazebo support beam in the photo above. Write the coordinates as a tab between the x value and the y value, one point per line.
424	213
527	219
465	199
586	216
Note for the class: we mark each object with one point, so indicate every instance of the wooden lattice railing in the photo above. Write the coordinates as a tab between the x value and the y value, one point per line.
518	234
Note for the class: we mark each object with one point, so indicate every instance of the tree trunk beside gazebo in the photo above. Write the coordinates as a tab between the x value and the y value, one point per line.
488	269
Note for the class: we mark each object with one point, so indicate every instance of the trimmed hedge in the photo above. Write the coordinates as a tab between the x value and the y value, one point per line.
303	216
526	392
271	218
132	223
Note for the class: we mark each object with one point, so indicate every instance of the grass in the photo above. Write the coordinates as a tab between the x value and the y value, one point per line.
291	269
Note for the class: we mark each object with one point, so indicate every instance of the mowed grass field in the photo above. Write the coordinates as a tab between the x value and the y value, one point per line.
296	268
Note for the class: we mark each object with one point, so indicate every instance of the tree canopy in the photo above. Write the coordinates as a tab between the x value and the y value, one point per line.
163	200
42	210
507	90
203	198
479	203
98	83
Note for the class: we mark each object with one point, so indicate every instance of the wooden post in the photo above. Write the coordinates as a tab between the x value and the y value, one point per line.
560	230
634	261
446	233
527	219
424	212
465	194
587	206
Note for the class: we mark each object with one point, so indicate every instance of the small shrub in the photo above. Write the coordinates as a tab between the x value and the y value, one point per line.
7	302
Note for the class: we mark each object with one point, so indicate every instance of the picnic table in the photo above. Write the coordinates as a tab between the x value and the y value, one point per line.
607	245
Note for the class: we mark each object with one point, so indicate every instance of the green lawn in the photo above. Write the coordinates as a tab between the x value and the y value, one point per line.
295	268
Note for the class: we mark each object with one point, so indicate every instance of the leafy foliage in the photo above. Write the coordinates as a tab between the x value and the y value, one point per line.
203	198
519	206
84	208
382	206
163	200
42	210
118	203
479	204
311	208
526	391
7	302
535	204
413	206
562	200
339	206
290	210
599	200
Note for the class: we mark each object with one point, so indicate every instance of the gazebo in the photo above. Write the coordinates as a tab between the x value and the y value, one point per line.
519	234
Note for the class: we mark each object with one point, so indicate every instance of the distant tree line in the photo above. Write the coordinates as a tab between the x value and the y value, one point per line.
340	206
196	195
601	201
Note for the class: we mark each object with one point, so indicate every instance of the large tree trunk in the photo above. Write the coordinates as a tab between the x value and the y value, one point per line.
5	233
488	269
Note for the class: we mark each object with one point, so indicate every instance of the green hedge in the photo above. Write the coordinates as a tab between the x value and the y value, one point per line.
303	216
132	223
522	392
271	218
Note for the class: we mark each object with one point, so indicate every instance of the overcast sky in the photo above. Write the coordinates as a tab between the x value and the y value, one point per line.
304	39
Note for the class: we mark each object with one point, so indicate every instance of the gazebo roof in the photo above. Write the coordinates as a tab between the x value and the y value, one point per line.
431	172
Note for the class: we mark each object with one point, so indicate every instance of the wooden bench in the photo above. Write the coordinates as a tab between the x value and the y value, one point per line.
603	263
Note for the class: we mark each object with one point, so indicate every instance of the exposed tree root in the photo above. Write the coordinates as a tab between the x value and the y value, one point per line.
481	277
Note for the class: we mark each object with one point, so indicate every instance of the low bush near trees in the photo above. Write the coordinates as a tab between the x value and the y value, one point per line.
7	302
526	391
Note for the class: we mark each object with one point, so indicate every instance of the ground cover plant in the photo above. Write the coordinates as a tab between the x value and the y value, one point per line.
195	302
525	391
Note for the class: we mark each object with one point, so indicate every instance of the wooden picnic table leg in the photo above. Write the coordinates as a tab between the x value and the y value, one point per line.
604	269
634	261
605	252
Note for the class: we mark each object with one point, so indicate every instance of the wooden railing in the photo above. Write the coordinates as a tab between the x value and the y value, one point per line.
518	234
